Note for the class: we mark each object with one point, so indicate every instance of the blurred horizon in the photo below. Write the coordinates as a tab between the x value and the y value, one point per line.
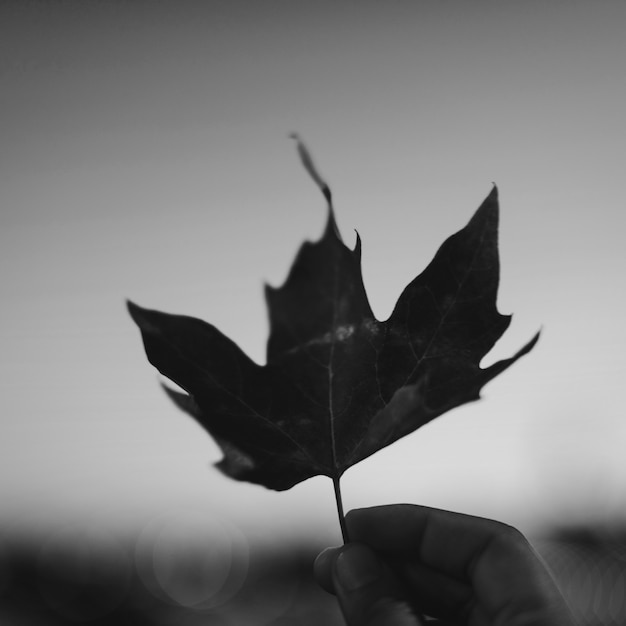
169	576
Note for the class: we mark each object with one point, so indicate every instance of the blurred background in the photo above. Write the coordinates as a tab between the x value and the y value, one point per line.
145	155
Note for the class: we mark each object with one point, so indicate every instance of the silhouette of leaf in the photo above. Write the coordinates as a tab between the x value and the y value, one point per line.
339	384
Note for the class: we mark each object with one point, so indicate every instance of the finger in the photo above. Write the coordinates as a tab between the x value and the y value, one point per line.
442	540
435	594
494	559
368	593
323	568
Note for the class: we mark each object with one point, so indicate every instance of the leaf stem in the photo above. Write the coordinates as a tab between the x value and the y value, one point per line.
342	519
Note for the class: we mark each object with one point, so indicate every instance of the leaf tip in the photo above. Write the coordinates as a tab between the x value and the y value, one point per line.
488	211
144	318
491	202
357	245
533	342
269	291
309	166
133	309
493	194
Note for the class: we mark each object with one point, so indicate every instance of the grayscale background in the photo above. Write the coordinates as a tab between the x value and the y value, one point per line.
145	155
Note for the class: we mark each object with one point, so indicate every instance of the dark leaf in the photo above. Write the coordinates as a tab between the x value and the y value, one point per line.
339	384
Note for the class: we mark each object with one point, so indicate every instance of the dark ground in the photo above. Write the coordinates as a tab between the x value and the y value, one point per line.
273	587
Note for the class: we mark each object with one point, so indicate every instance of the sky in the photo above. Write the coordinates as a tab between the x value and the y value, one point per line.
145	155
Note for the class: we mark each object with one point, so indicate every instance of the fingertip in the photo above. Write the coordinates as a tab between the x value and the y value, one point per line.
368	591
350	567
323	567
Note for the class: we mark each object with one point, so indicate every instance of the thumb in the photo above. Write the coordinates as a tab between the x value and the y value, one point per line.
368	592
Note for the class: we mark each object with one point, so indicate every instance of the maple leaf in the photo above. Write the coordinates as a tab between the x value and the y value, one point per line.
339	384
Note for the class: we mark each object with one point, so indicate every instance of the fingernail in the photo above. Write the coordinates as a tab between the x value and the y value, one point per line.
356	567
327	553
324	558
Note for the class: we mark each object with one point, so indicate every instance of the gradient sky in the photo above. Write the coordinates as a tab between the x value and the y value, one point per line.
145	155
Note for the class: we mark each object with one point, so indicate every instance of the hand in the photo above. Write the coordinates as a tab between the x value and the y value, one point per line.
408	561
